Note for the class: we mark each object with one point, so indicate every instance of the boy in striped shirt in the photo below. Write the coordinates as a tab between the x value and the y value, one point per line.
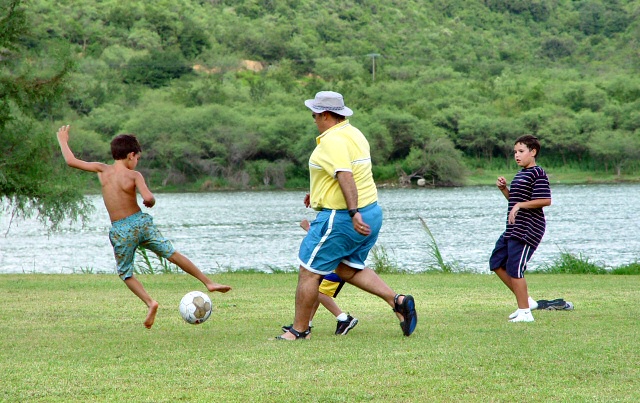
527	194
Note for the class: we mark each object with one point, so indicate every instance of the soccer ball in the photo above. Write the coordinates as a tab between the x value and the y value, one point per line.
195	307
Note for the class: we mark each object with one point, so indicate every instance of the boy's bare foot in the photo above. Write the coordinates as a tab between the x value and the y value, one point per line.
151	315
213	287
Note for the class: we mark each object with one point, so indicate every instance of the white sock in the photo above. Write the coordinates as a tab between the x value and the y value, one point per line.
310	323
342	317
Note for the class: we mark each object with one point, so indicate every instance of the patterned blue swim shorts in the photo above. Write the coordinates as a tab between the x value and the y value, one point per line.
133	231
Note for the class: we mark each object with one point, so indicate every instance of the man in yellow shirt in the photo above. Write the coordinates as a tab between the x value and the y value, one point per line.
349	217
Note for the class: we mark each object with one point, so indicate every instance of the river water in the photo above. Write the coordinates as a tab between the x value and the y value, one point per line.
259	230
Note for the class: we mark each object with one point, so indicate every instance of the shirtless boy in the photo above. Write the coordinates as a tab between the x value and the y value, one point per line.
130	227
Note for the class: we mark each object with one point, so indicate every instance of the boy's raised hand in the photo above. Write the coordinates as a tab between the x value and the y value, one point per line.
70	159
63	134
501	183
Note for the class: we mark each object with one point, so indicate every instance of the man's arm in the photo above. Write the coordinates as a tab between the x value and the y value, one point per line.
350	192
70	159
349	189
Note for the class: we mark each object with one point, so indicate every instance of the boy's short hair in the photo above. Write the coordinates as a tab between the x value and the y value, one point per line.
123	144
530	141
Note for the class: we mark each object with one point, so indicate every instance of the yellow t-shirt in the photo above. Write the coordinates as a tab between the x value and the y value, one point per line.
340	148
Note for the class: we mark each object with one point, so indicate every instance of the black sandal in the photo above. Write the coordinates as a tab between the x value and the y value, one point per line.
297	334
285	328
408	311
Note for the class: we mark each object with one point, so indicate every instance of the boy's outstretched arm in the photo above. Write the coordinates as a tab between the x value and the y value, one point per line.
71	160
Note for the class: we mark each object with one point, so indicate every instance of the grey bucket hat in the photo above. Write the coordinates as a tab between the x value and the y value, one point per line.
328	101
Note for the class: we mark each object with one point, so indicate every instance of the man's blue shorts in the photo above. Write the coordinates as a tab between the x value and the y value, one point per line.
133	231
511	254
331	240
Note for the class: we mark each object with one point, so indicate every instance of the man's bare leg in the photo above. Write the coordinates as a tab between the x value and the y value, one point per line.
136	287
306	298
315	308
369	281
187	265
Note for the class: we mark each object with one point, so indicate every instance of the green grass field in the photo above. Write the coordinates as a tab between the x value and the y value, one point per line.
79	338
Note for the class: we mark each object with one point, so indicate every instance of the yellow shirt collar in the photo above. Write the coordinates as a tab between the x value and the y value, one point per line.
332	128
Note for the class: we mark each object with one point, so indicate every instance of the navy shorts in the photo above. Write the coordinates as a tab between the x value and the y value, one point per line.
331	240
511	254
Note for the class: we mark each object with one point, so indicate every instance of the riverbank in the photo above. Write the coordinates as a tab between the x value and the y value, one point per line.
556	176
478	177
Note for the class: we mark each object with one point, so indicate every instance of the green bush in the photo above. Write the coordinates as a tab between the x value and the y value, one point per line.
156	69
629	269
569	263
382	262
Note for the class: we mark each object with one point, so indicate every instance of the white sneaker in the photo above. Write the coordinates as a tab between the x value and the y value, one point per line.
532	305
523	317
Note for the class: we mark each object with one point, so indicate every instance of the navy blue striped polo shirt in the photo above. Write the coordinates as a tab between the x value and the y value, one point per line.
528	184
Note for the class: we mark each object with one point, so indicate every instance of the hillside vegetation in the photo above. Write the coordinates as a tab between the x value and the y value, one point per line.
215	89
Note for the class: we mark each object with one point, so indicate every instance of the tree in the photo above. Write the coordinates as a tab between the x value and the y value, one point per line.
480	72
615	148
438	162
562	136
157	68
477	135
29	184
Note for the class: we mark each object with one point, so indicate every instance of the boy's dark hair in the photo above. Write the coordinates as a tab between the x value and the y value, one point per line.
123	144
530	141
